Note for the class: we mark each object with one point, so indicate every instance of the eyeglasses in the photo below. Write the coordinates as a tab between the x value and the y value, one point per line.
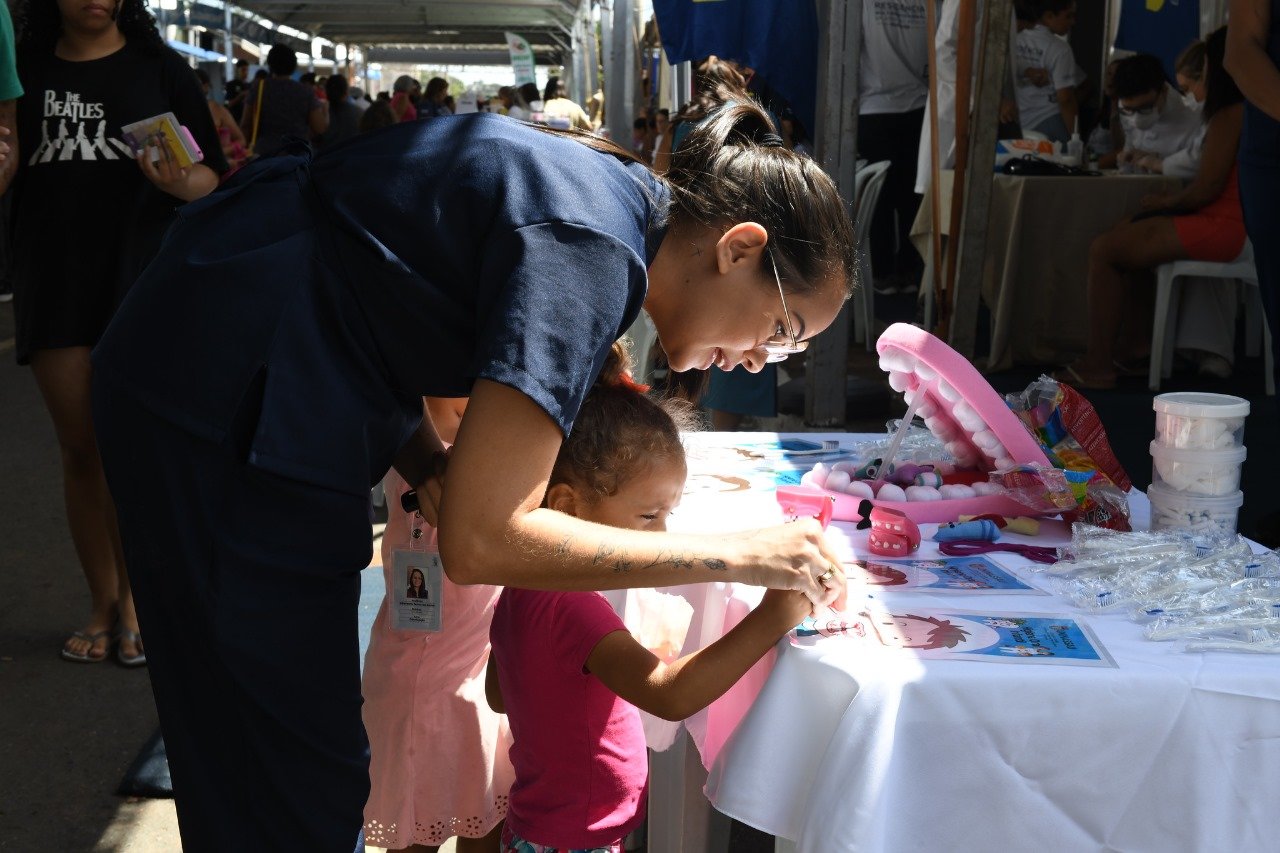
778	347
1137	111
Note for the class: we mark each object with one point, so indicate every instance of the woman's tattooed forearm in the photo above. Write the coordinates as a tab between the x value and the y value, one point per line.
617	560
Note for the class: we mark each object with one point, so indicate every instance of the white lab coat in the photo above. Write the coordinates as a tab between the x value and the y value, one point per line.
945	43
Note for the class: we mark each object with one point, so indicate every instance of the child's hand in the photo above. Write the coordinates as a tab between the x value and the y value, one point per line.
789	607
793	556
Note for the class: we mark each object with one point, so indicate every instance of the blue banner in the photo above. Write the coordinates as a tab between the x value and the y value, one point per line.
777	38
1162	28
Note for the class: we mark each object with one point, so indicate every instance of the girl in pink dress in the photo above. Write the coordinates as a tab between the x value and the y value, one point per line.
438	761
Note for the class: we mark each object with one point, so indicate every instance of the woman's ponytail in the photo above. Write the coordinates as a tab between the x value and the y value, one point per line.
733	168
617	364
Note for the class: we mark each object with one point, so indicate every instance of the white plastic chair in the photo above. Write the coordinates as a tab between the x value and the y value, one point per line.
867	184
643	335
1168	295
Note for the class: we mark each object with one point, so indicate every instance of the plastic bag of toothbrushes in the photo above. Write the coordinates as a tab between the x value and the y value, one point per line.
1072	436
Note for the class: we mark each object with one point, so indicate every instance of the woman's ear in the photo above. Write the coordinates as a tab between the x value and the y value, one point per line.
743	244
562	497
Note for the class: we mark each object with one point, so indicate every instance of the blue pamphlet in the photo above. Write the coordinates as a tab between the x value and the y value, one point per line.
976	574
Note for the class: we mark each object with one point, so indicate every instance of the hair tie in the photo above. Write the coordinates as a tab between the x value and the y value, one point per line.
625	381
771	140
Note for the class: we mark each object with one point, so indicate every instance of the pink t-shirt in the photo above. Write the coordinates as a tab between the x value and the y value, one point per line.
578	750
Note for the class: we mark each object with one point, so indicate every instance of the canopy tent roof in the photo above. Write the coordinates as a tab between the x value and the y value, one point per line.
454	27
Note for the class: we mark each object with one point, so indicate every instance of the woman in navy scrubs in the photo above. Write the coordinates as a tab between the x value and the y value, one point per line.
247	398
1253	58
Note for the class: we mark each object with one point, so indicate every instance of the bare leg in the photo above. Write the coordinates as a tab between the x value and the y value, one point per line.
63	376
1128	248
491	843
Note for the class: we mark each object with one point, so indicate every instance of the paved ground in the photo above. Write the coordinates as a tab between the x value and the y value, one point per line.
67	732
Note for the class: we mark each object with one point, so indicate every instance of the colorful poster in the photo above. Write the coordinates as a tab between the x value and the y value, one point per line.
521	58
751	465
1024	638
976	574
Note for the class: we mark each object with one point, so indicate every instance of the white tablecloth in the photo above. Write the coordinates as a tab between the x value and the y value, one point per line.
842	749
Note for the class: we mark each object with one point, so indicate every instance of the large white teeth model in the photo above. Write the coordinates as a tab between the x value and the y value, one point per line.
860	489
988	441
923	493
838	481
948	392
969	419
939	426
891	492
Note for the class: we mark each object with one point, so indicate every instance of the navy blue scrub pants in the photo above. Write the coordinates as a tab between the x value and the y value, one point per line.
1260	202
247	587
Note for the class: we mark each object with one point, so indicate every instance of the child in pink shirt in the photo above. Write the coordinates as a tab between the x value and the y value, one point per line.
563	666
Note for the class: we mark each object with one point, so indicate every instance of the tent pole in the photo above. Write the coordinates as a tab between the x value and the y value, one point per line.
935	174
966	24
971	236
836	135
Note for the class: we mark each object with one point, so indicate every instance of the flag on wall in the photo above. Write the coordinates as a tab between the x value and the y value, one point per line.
1162	28
777	38
521	58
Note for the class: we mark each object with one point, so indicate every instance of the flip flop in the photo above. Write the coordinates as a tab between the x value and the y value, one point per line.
92	640
123	636
1076	379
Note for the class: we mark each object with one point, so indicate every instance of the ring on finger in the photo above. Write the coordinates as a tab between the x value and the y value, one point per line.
827	575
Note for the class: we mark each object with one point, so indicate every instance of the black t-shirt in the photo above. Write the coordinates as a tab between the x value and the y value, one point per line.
233	90
285	114
75	167
407	262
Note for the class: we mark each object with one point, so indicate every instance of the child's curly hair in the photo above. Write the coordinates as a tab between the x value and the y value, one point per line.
620	430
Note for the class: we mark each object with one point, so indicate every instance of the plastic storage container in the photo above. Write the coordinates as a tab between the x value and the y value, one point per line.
1199	421
1182	511
1197	472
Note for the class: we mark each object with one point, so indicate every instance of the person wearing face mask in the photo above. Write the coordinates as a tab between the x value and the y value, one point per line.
1203	222
1189	72
1155	120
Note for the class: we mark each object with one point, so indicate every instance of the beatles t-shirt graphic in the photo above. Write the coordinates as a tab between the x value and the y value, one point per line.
73	129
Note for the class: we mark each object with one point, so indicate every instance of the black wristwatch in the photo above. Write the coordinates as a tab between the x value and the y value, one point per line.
409	502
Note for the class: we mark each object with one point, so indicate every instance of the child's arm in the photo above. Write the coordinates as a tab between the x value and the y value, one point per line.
1069	106
678	690
492	690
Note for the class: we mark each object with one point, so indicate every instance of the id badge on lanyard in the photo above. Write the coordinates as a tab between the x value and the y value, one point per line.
417	581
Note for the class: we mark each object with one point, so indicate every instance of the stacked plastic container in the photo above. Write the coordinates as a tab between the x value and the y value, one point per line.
1196	459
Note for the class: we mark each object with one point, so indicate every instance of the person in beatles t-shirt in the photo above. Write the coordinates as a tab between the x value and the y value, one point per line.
88	217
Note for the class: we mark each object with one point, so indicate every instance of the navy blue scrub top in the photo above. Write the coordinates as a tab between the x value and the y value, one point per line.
404	263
